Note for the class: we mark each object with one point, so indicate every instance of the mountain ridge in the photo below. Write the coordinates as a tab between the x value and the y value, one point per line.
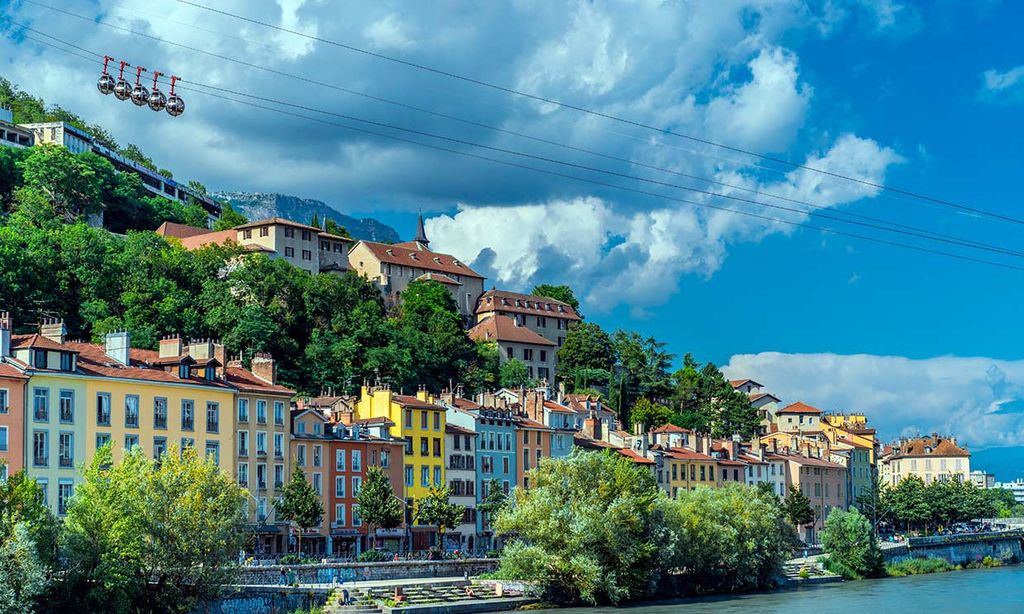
262	205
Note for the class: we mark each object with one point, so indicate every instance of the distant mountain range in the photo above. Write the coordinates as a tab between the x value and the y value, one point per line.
1007	463
260	205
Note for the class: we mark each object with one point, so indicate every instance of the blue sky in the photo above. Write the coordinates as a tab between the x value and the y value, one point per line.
926	97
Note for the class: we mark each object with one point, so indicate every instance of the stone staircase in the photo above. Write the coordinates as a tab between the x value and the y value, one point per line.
815	573
365	600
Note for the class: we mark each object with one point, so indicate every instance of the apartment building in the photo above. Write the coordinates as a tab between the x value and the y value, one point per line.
11	134
518	342
303	246
823	482
685	469
460	448
393	267
544	316
310	445
929	458
12	405
533	443
798	418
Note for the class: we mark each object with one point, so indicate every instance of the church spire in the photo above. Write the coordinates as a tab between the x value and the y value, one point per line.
421	234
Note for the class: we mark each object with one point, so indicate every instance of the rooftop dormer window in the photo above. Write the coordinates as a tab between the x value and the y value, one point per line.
39	359
67	361
437	260
183	371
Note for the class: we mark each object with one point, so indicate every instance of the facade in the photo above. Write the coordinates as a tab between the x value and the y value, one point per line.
460	447
929	458
11	134
1016	487
518	342
798	418
533	443
983	479
303	246
821	481
78	141
12	405
686	469
393	267
310	444
544	316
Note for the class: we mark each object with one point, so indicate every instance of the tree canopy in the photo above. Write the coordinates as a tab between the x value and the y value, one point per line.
559	293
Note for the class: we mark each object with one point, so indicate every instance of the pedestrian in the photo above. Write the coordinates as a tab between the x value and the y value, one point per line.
284	577
344	597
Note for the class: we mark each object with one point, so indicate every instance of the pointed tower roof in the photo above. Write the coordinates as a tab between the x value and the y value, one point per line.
421	233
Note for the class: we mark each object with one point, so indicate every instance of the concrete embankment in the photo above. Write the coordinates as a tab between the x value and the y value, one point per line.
960	549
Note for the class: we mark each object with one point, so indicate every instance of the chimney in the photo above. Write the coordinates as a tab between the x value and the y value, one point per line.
761	448
264	367
200	349
775	445
698	443
220	354
116	346
421	394
6	326
53	329
170	346
734	446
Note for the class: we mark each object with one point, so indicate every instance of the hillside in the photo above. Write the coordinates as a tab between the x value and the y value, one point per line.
260	205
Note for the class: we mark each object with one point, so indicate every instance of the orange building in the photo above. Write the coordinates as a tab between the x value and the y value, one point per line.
12	419
533	442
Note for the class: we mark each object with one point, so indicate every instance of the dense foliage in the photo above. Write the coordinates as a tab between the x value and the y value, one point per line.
851	546
913	506
300	504
624	539
379	507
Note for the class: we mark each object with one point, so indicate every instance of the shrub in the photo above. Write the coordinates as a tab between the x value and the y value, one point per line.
915	567
373	556
851	546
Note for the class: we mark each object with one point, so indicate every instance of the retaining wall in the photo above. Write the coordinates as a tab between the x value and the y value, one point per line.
264	600
960	549
329	573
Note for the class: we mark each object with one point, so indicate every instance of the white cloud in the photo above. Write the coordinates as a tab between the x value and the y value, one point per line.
388	33
1002	86
976	399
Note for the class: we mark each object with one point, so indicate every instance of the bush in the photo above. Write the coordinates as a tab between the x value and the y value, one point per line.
851	547
296	559
916	567
840	569
374	556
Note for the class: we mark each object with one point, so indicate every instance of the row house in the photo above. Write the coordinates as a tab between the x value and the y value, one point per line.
516	342
460	449
544	316
934	458
823	482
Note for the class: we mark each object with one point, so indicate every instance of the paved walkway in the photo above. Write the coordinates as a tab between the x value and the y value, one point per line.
362	584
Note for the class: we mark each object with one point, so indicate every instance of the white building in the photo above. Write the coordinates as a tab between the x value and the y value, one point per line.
1016	487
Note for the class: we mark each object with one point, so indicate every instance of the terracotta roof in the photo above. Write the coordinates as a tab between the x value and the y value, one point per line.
688	454
751	459
929	446
219	237
172	229
457	430
465	404
813	462
247	381
756	396
323	401
9	371
415	255
736	383
504	328
500	300
586	442
530	424
670	428
556	406
414	403
438	277
20	342
92	360
280	221
328	235
852	443
636	457
730	463
375	420
799	408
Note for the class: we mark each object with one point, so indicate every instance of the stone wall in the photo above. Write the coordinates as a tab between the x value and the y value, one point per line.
330	573
960	549
264	600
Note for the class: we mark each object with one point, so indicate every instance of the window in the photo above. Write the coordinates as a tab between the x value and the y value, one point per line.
437	421
300	454
102	439
527	354
131	441
65	449
67	361
318	485
356	520
408	475
159	447
437	447
385	458
424	476
279	413
325	246
261	443
278	476
339	486
66	405
526	460
187	442
39	359
131	411
243	443
289	251
212	417
289	232
243	474
437	475
307	255
261	412
301	427
339	514
3	438
261	476
247	233
505	486
424	446
317	455
357	485
3	401
188	415
160	413
278	445
510	353
357	460
508	441
504	464
65	490
424	419
40	449
264	231
41	404
243	410
306	236
213	450
469	442
542	322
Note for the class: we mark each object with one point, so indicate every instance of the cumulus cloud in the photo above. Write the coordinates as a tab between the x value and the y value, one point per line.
980	400
1002	86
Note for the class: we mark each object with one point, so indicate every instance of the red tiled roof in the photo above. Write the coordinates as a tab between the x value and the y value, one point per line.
414	403
465	404
586	442
556	406
670	428
938	446
736	383
19	342
247	380
280	221
500	300
799	408
9	371
375	420
92	360
172	229
636	457
688	454
755	396
730	463
413	254
504	328
813	462
209	238
457	430
530	424
438	277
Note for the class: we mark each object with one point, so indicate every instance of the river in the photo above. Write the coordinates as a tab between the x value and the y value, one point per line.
971	591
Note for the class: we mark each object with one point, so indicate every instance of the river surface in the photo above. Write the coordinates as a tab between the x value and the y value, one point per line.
971	591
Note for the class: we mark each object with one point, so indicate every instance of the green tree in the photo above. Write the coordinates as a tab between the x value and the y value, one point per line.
797	507
645	365
608	545
513	374
300	504
850	544
133	153
586	352
872	504
229	218
436	509
332	227
909	503
23	576
315	221
494	502
64	179
193	214
378	505
430	327
147	536
559	293
650	414
484	373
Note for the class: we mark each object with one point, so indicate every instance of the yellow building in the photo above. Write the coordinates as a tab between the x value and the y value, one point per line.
421	423
853	428
686	470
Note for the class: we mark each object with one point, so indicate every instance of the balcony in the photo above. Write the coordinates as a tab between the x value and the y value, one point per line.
261	485
212	426
243	482
160	423
66	462
278	484
243	451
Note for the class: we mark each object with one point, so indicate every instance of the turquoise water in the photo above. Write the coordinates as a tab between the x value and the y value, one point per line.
973	591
